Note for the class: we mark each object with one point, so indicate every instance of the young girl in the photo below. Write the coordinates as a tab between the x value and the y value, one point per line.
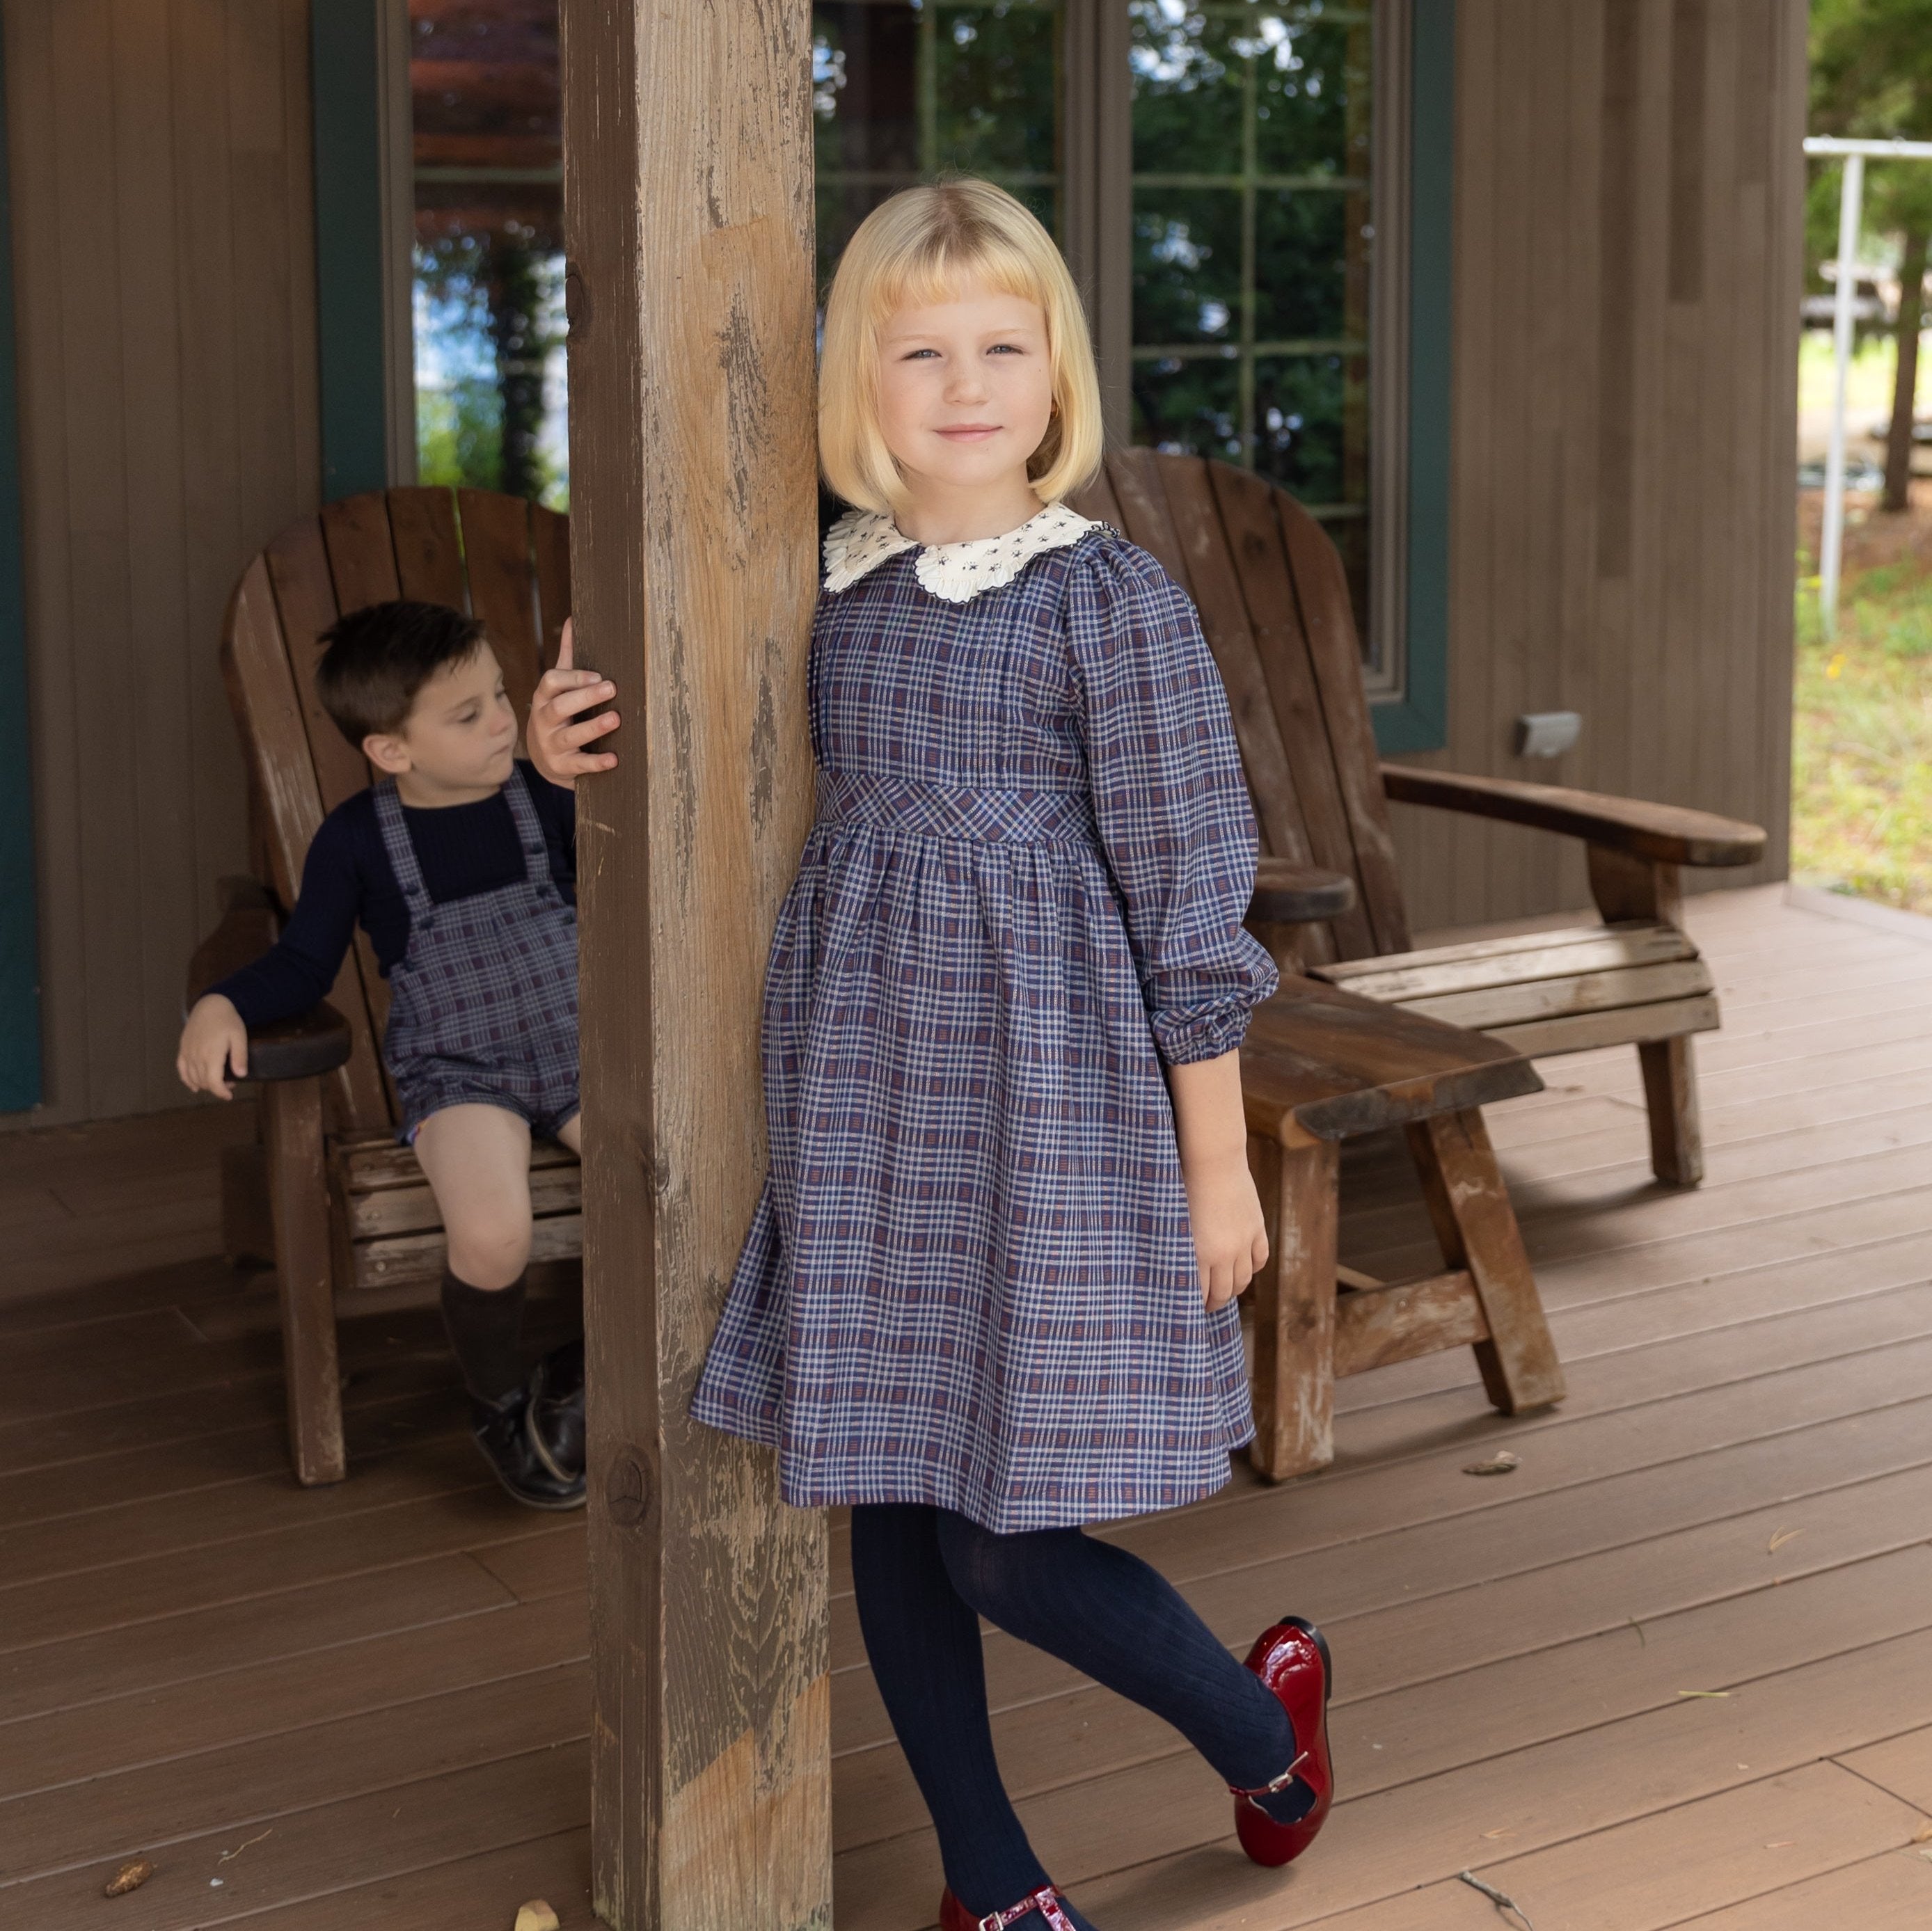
988	1296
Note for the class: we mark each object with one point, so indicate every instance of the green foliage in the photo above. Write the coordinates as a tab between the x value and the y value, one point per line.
1871	78
1862	744
488	314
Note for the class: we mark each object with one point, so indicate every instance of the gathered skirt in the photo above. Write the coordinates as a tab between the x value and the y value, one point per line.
971	1280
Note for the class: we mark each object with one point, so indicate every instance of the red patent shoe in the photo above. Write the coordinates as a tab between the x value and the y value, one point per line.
953	1916
1291	1659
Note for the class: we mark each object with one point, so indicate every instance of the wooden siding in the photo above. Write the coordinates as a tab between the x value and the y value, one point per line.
1626	236
162	217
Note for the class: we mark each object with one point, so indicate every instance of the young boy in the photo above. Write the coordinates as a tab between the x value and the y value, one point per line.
460	865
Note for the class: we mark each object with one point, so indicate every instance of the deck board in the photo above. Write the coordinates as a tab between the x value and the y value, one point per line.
389	1677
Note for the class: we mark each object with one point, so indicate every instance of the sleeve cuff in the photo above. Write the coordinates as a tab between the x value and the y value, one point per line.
1208	1032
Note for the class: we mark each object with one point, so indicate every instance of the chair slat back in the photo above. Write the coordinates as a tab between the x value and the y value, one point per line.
429	549
550	545
1274	607
493	556
503	586
265	693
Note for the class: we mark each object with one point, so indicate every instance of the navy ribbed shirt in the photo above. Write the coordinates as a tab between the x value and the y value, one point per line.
347	878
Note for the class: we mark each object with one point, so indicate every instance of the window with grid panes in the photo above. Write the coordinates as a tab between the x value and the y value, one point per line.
1252	155
1208	165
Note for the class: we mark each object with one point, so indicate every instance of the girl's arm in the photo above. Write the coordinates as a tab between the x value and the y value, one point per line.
1230	1231
1173	814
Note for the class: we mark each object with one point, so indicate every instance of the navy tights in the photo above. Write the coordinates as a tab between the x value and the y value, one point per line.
923	1576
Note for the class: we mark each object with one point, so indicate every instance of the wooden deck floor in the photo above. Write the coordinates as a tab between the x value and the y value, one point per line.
1674	1670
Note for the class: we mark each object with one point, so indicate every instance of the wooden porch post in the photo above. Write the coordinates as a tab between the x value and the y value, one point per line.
689	200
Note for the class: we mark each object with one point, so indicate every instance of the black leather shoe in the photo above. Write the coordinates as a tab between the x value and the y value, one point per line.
554	1419
498	1428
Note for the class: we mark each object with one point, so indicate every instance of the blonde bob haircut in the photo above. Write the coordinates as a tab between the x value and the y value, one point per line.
920	248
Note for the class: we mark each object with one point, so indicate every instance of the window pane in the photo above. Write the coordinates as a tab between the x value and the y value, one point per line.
1187	264
1189	89
1189	405
489	246
1300	412
1312	88
1301	267
904	91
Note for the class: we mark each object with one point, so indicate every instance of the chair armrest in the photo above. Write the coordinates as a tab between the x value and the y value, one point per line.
315	1041
1298	895
1665	834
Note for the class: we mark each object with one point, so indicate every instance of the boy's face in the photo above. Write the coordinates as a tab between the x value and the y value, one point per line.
460	735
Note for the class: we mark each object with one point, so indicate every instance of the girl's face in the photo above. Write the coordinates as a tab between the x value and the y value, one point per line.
965	389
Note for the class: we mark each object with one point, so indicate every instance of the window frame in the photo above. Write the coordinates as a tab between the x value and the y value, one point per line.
365	221
22	1070
1411	365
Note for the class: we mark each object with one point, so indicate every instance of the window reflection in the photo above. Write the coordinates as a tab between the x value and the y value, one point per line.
488	308
903	91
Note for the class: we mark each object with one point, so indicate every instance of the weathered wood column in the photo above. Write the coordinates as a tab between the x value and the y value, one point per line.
688	198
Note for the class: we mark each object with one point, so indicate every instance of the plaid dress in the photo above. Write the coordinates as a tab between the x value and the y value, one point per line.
970	1279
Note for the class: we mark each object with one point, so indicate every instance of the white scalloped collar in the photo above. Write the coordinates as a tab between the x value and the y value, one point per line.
861	539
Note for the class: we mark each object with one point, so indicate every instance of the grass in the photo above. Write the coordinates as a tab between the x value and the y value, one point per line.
1862	744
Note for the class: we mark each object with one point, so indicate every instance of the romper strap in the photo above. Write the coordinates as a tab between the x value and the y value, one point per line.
529	828
402	852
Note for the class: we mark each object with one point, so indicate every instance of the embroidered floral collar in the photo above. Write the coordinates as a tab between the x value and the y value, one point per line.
861	539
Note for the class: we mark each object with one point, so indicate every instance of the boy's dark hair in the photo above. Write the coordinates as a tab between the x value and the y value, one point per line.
378	658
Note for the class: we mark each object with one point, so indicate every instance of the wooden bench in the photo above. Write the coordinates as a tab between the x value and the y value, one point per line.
349	1216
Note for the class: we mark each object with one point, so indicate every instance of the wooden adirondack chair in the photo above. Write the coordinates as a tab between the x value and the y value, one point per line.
1274	605
354	1224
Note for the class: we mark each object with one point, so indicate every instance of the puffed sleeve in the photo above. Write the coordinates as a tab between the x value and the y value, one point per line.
1169	798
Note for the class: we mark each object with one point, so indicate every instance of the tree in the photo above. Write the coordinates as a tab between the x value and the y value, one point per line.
1871	78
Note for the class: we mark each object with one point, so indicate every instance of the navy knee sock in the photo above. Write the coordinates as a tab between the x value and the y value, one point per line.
923	1642
1118	1619
485	1327
920	1575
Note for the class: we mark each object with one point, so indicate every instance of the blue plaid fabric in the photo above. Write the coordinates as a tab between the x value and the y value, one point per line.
971	1280
483	1005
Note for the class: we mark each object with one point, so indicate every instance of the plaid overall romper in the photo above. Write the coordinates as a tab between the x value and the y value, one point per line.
483	1005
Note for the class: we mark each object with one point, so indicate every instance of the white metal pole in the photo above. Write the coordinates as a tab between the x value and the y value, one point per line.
1831	542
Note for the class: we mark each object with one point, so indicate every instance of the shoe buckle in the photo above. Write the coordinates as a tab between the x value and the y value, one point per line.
1269	1789
1046	1901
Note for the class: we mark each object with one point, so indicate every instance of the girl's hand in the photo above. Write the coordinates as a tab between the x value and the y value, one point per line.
1211	1128
213	1048
1230	1230
554	740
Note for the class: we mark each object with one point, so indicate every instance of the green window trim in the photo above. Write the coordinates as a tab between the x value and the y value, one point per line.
20	1065
1417	718
359	59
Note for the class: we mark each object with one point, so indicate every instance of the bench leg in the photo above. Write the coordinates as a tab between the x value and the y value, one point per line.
1294	1308
1476	1226
1670	1093
298	1200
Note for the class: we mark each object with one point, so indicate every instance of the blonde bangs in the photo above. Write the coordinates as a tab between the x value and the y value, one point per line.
921	247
